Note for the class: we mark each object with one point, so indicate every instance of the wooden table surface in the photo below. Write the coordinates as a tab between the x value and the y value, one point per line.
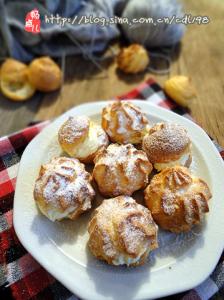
200	56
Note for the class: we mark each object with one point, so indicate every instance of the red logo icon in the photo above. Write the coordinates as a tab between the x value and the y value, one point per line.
32	21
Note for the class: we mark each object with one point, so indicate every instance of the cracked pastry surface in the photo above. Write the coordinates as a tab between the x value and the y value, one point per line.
124	122
167	145
122	231
81	138
177	199
121	170
63	189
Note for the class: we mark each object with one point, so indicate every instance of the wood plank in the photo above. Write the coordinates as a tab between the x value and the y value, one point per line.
16	115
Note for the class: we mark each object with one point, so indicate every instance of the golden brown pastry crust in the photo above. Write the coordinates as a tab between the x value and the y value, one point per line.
122	232
82	138
133	59
124	122
177	199
180	89
14	80
121	170
44	74
63	189
166	142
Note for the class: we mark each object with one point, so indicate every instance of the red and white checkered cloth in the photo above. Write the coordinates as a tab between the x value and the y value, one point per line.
21	277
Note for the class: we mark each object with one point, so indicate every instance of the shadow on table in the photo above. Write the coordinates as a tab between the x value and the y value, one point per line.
80	68
178	245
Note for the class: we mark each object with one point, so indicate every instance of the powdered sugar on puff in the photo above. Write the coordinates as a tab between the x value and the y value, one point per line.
166	142
73	129
121	170
124	122
127	231
63	183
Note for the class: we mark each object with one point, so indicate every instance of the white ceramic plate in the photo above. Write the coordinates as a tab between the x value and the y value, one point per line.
182	261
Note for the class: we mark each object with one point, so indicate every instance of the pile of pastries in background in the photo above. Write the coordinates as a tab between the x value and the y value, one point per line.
127	155
19	81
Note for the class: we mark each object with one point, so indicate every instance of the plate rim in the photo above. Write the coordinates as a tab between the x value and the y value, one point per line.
166	114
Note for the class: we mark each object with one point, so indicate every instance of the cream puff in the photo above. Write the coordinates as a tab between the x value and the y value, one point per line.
81	138
121	170
133	59
63	189
124	122
167	145
44	74
14	81
122	232
177	199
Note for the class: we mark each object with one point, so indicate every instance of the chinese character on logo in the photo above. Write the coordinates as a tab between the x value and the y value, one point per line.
32	21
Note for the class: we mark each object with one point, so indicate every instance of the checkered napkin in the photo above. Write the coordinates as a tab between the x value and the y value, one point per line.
21	277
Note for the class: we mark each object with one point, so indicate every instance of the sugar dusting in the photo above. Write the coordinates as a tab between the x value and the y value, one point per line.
168	202
122	121
189	211
65	183
123	163
196	205
128	229
181	188
132	236
170	138
171	245
108	247
136	118
73	128
123	118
